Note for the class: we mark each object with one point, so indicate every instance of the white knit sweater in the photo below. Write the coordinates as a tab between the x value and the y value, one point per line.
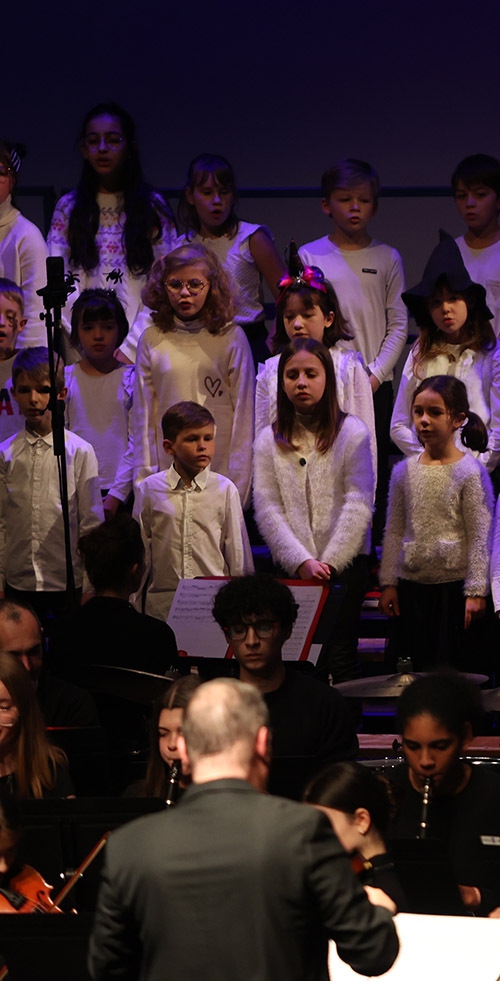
319	509
439	525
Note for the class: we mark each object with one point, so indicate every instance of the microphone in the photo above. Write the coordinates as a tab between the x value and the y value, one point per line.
58	287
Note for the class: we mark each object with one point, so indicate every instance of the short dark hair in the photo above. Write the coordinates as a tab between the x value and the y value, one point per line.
98	304
348	173
34	362
185	415
479	168
446	695
110	550
254	595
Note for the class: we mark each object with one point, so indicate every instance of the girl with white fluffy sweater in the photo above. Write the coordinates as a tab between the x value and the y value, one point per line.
313	491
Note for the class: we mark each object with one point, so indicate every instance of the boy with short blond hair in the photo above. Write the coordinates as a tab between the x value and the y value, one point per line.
32	542
476	188
191	518
12	322
368	278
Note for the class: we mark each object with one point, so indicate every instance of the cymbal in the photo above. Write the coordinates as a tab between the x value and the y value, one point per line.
389	685
491	700
135	686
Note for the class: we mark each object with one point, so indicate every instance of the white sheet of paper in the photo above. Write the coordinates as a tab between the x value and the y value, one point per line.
199	635
437	948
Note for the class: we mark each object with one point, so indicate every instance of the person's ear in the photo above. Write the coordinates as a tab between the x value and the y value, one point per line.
263	744
458	420
362	820
325	207
62	394
189	195
168	446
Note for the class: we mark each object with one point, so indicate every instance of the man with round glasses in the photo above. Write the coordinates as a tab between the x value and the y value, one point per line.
310	721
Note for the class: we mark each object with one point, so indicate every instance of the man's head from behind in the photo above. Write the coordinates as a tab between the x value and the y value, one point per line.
257	614
225	732
21	634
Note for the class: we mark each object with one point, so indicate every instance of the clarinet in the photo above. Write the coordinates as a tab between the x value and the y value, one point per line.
424	814
173	784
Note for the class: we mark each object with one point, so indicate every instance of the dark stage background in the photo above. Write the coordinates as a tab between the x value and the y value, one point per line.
281	89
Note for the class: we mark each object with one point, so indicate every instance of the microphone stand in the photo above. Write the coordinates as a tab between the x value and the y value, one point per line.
54	296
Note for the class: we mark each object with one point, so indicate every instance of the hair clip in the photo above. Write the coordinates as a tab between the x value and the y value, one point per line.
310	276
15	160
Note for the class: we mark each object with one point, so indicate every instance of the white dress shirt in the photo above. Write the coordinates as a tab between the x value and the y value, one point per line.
189	532
32	551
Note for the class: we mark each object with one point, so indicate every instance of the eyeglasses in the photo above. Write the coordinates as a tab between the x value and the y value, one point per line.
193	286
263	629
112	141
5	173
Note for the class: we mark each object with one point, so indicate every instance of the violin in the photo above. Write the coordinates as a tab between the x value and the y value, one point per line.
359	865
27	893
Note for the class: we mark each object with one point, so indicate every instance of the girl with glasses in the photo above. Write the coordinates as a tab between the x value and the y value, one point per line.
193	352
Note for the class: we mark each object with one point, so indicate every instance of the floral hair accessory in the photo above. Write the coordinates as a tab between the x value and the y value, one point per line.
310	276
300	275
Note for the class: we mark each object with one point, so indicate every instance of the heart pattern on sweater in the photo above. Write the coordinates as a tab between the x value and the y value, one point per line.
213	385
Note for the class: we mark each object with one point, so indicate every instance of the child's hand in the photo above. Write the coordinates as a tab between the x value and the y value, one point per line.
475	607
313	569
110	505
389	601
374	382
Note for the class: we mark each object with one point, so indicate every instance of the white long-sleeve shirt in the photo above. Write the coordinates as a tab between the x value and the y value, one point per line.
480	373
191	364
189	532
32	550
23	253
368	283
97	408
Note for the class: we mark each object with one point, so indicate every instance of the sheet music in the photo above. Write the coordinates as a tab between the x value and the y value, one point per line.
199	635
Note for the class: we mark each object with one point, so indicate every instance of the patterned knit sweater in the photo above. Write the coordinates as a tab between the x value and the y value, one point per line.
439	525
